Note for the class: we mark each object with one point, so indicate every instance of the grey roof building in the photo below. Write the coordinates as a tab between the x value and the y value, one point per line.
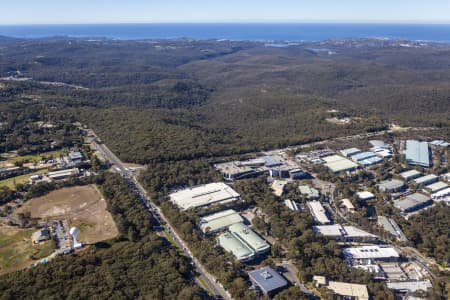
268	280
411	174
413	202
391	226
417	153
392	185
426	180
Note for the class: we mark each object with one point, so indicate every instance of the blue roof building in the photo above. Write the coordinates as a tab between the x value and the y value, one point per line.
417	153
268	280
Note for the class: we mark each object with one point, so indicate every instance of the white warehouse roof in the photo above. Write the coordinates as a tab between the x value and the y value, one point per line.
374	252
204	195
219	221
318	212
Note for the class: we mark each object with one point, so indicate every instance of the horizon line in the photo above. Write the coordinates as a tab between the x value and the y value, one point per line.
356	22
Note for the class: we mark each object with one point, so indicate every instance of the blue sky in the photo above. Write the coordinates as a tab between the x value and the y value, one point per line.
149	11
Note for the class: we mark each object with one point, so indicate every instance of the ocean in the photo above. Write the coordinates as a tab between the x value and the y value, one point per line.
233	31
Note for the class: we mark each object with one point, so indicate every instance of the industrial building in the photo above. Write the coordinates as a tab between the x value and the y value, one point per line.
410	286
63	174
391	226
379	144
368	255
345	290
347	205
318	212
249	238
349	152
278	186
40	236
442	195
446	177
412	203
417	153
337	164
267	280
231	244
292	205
365	196
410	175
382	152
219	221
440	143
309	192
426	180
344	233
436	187
391	185
204	195
76	157
366	158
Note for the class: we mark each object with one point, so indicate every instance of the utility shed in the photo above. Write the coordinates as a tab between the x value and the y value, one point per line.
219	221
392	185
204	195
411	174
268	280
412	203
417	153
426	180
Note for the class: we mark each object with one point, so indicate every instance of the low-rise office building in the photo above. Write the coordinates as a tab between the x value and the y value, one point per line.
219	221
204	195
267	280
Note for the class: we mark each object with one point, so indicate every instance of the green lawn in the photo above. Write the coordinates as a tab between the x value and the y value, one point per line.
11	182
17	251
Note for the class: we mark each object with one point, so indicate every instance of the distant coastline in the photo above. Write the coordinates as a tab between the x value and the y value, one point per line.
293	32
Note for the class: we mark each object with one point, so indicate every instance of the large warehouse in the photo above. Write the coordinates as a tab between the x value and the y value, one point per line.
204	195
417	153
412	203
219	221
249	238
337	164
231	244
366	255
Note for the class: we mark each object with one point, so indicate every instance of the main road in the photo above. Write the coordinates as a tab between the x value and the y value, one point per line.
212	284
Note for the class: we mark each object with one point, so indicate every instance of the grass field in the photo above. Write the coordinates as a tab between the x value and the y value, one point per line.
36	157
17	251
11	182
81	206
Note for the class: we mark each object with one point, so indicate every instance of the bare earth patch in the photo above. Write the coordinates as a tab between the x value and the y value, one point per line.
81	206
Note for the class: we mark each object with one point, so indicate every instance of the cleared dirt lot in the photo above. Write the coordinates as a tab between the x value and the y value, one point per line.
81	206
